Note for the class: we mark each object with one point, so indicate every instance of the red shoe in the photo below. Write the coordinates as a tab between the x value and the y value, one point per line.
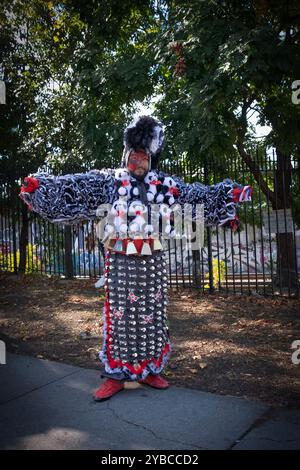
155	381
109	388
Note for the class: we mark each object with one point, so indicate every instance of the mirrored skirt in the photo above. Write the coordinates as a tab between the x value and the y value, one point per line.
136	339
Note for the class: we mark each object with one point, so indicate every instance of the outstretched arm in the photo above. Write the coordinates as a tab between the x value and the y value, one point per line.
220	200
69	198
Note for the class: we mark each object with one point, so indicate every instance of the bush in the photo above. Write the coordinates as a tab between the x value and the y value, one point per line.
33	263
218	268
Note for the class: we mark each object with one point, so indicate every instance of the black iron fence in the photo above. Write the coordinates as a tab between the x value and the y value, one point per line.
263	256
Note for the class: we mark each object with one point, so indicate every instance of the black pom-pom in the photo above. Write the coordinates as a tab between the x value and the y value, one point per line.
139	136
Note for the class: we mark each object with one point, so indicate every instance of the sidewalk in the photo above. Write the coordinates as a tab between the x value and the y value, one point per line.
49	405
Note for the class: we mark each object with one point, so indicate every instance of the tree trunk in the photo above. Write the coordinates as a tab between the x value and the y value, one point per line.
23	238
286	273
196	264
68	252
196	268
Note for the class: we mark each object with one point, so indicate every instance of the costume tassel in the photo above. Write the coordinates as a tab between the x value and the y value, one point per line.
156	244
146	249
131	249
118	245
2	92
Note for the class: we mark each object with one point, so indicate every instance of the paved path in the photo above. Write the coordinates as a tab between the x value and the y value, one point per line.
49	405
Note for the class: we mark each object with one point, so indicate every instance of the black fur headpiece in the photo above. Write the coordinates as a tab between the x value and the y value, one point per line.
144	133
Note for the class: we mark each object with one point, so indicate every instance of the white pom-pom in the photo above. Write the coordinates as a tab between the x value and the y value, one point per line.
148	228
160	198
150	196
123	228
168	229
122	191
134	227
135	191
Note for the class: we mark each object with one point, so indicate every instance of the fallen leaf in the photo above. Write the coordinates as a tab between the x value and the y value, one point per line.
168	373
173	366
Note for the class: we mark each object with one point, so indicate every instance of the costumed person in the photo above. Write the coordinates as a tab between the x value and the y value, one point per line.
136	341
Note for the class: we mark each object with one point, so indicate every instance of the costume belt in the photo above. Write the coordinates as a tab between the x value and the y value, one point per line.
134	246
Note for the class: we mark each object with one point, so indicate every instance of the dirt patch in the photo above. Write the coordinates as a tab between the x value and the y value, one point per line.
229	344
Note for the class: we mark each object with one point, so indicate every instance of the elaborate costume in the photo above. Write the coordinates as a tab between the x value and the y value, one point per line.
136	337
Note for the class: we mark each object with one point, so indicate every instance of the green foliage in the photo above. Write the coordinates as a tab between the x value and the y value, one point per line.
74	80
235	56
81	69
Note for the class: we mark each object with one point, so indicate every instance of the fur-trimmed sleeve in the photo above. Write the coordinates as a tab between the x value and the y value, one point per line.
220	200
69	198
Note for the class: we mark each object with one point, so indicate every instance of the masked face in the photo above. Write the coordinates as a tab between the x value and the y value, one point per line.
138	163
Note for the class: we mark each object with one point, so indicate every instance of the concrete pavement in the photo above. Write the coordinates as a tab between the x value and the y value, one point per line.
49	405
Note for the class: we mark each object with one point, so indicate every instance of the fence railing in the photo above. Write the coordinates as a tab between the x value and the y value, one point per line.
263	256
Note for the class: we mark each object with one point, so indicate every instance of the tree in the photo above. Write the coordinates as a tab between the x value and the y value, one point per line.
31	58
72	83
76	70
219	63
